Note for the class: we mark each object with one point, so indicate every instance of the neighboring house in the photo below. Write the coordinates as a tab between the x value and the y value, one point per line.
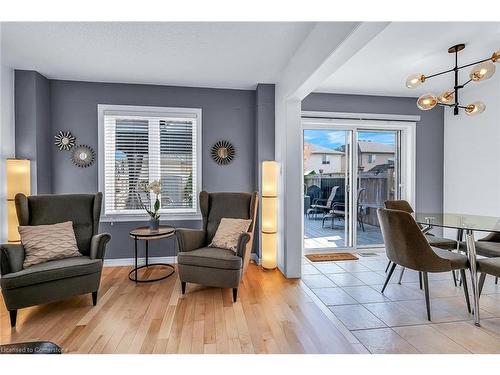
371	154
323	158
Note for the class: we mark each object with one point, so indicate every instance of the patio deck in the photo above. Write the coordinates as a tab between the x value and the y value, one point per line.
317	237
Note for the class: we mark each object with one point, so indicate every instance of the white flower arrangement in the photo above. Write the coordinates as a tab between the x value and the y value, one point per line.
155	188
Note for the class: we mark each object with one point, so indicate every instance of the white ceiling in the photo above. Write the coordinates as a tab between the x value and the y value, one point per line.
404	48
210	54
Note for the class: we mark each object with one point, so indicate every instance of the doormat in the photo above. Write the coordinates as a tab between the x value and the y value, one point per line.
329	257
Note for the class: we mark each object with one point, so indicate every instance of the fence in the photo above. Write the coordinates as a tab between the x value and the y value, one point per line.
378	188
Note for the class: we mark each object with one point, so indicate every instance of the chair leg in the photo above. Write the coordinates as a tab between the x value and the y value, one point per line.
361	224
94	298
482	278
401	275
388	276
466	291
235	294
496	280
454	277
388	265
427	299
13	318
420	279
183	287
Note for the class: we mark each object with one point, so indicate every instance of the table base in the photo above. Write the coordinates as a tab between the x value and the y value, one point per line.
137	280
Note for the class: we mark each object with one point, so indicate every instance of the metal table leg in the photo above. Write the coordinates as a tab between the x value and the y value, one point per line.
471	253
135	269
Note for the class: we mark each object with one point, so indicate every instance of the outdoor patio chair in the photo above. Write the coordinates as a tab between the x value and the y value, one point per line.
323	205
313	193
338	210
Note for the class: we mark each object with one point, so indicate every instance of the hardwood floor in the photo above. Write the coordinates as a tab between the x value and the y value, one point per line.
272	315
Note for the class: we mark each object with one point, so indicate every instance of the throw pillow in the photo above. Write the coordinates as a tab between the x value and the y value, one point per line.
48	242
228	233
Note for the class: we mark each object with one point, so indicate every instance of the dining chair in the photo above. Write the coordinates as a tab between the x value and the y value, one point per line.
488	266
442	243
488	247
406	246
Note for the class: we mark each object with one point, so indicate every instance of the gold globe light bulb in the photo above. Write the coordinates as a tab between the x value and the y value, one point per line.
415	80
475	108
496	56
446	97
482	71
427	102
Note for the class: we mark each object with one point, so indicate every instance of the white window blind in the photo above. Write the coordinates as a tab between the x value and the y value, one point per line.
142	145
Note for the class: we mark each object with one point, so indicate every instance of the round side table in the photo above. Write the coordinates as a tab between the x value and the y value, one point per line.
146	234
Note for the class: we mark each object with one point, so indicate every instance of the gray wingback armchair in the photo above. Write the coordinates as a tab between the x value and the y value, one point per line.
58	279
211	266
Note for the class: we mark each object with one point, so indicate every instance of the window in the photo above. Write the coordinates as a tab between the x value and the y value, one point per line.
143	144
325	159
371	158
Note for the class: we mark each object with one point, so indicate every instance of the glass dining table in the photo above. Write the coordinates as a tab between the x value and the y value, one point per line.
465	225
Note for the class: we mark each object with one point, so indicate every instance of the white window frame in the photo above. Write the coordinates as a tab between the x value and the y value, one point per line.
356	122
148	111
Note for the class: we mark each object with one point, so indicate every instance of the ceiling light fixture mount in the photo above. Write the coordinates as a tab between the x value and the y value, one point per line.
482	70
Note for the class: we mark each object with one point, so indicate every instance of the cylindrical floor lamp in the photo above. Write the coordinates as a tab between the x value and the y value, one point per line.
269	227
18	181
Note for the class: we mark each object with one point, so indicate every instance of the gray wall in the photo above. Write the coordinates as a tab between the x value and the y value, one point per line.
33	132
264	135
72	106
430	132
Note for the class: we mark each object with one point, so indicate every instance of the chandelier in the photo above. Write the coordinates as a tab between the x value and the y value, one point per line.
481	71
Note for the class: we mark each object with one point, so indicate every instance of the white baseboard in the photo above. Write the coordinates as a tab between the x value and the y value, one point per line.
255	258
140	261
119	262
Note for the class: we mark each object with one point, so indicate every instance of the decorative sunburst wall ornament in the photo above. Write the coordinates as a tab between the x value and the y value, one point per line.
83	156
223	152
64	140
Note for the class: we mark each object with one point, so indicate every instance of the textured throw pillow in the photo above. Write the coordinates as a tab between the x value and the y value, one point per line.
48	242
228	232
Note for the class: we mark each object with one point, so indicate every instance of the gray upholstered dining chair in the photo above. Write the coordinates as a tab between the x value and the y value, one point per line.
406	245
488	247
442	243
57	279
488	266
221	268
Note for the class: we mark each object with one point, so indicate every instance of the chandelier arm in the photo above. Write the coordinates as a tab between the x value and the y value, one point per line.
474	63
465	83
458	67
440	73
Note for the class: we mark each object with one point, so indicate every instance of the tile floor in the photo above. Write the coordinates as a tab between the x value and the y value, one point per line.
396	321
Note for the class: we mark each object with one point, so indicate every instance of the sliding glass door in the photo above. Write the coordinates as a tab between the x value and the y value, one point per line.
378	180
344	185
327	176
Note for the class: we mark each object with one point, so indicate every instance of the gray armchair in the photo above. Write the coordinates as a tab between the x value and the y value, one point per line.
211	266
58	279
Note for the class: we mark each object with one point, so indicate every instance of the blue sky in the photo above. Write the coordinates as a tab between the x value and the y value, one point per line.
335	138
